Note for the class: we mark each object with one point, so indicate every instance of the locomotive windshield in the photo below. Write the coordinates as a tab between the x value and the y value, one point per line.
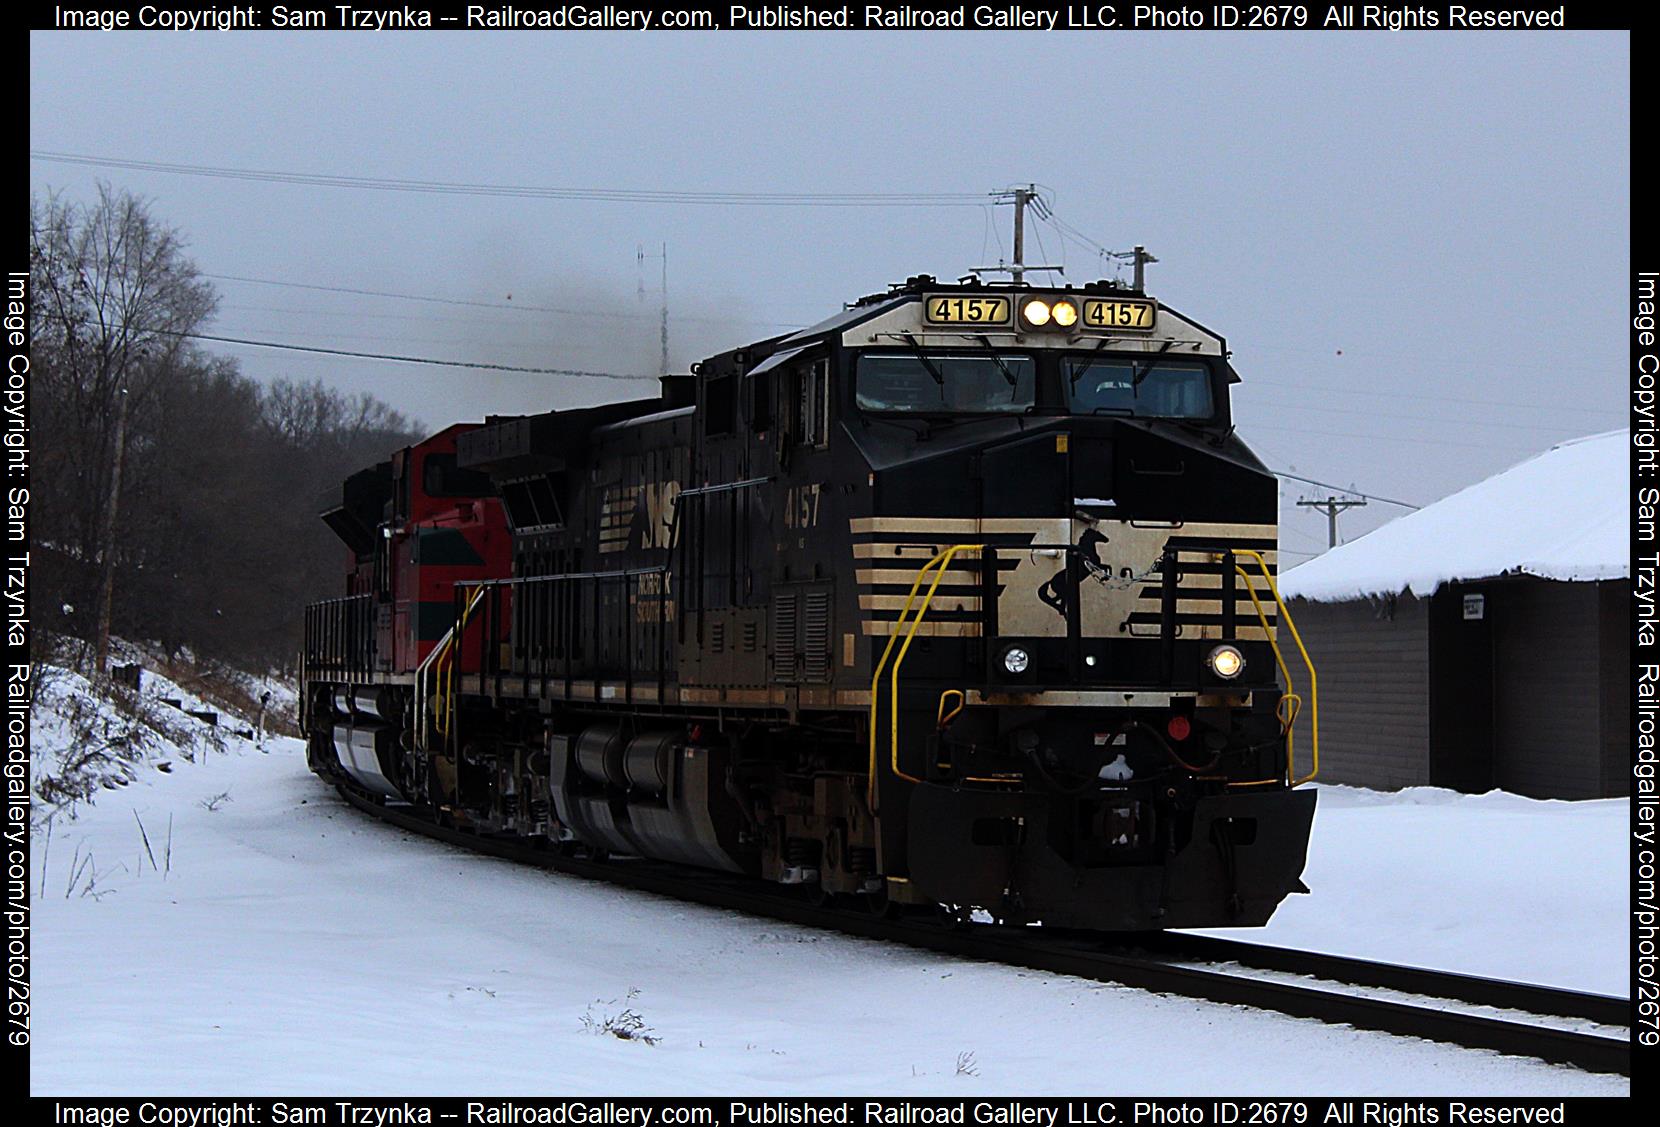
1153	388
959	384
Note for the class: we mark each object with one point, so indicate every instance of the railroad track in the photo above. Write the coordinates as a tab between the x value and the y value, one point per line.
1589	1031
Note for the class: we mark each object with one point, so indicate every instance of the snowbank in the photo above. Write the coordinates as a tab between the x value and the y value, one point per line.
1492	884
1560	515
85	739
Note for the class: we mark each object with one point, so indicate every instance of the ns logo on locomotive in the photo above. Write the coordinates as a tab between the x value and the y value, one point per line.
963	597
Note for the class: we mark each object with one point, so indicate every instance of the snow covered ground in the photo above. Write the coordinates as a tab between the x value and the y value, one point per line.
296	947
1491	884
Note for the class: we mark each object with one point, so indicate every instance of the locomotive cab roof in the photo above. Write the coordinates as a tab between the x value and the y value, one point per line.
971	313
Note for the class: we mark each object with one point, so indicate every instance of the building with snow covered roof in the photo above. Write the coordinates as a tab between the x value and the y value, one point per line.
1483	641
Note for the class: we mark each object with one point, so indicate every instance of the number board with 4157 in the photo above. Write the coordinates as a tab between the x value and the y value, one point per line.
1119	314
968	309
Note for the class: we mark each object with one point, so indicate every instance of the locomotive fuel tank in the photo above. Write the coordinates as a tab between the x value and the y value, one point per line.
653	794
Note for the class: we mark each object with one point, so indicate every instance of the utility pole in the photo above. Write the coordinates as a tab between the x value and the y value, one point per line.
106	586
1142	258
640	257
1022	198
1331	506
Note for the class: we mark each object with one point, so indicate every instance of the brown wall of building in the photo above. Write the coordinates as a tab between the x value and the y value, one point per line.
1372	657
1533	698
1547	723
1614	599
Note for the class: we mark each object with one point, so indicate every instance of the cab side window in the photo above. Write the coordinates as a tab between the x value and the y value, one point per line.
809	385
760	401
720	402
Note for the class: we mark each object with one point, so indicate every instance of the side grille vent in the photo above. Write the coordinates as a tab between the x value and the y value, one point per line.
784	618
815	637
801	633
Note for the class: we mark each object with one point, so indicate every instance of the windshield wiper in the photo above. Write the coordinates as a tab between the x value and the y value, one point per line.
1140	372
1078	369
997	359
923	357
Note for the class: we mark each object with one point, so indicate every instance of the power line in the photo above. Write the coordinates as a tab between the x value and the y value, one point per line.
1508	448
527	191
406	359
516	306
1345	489
1554	408
1556	429
564	350
1360	357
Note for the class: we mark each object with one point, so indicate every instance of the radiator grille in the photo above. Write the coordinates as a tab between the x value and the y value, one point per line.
815	637
801	634
784	619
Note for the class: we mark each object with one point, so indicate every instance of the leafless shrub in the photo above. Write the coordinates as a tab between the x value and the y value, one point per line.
625	1024
967	1065
215	802
85	867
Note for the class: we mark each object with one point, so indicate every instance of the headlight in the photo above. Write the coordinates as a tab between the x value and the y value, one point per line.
1015	659
1036	312
1226	662
1065	314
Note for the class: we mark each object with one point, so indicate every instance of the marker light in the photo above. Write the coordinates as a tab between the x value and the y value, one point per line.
1226	662
1065	314
1015	659
1036	312
1180	727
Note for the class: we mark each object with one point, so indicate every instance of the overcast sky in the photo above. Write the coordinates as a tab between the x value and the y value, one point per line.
1416	244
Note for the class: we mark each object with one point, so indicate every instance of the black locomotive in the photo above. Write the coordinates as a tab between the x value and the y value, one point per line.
962	597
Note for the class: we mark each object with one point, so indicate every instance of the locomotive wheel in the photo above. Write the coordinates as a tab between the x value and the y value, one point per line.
881	905
816	895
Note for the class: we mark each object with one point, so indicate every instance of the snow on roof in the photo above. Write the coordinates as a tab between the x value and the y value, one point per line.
1559	515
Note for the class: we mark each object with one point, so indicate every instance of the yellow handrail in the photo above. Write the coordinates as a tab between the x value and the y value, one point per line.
941	717
449	646
1289	700
1313	676
938	564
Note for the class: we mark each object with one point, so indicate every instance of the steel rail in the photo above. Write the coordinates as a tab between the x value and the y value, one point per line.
1145	963
1524	996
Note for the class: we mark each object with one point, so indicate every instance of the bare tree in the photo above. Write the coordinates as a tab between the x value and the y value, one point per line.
115	298
314	418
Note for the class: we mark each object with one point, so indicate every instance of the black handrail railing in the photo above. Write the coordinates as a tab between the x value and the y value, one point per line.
577	628
340	635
